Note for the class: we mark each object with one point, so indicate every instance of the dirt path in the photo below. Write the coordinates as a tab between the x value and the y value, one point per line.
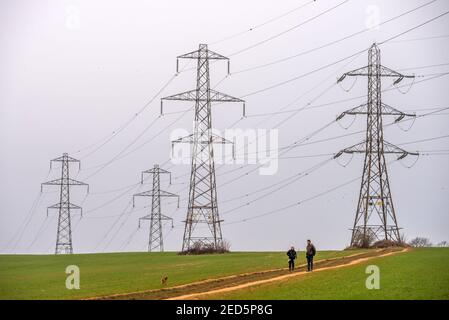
234	282
279	278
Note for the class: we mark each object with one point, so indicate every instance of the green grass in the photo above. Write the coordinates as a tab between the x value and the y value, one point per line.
43	277
418	274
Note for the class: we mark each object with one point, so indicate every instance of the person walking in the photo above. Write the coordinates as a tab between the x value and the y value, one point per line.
310	253
291	258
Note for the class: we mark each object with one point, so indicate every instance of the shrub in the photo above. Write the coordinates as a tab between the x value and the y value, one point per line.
208	248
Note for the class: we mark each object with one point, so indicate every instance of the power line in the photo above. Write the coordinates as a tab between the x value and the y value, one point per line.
296	78
235	35
113	225
44	225
288	30
132	187
20	231
342	59
425	67
422	38
310	106
330	43
282	184
297	143
116	132
302	142
296	203
123	155
122	151
424	140
109	137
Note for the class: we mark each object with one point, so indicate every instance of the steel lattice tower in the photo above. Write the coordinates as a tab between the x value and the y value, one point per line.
155	239
64	234
202	206
375	216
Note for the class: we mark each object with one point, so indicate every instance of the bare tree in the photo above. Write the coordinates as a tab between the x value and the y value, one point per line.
420	242
443	244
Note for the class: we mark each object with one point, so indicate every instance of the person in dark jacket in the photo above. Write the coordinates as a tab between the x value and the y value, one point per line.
310	253
291	258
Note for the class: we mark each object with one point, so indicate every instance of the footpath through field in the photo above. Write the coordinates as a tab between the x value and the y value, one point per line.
201	289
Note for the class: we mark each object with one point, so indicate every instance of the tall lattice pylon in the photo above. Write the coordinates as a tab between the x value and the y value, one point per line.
64	233
203	208
156	240
375	217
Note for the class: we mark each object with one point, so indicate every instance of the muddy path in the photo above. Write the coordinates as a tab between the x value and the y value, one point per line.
200	289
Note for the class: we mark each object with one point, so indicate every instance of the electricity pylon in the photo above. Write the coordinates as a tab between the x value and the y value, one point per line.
64	234
375	216
156	240
202	206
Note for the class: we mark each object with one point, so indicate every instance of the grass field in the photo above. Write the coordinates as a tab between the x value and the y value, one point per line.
43	277
418	274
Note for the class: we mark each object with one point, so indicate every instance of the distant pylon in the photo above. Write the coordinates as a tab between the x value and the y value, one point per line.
156	240
64	233
375	194
203	206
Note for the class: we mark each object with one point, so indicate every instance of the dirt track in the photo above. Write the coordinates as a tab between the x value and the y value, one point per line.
203	288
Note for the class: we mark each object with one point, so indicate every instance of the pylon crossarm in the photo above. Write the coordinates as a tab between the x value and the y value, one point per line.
157	170
388	148
62	158
60	182
387	72
69	181
390	111
191	95
385	109
214	138
70	206
66	158
217	139
154	171
384	72
197	54
217	96
391	148
361	109
164	217
357	72
183	96
357	148
152	193
60	205
186	139
202	54
147	217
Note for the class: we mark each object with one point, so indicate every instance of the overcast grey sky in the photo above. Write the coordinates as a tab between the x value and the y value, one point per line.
72	72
